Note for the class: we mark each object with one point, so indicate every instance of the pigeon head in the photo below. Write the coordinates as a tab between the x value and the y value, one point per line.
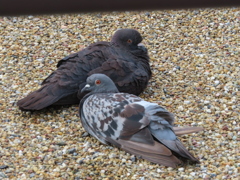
128	38
99	83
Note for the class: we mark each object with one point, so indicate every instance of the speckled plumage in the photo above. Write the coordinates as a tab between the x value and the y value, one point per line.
128	122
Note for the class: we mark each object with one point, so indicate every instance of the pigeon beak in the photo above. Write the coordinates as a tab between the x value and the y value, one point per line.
86	88
142	47
141	44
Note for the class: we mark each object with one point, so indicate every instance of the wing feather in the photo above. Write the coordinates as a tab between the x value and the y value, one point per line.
186	130
129	130
65	81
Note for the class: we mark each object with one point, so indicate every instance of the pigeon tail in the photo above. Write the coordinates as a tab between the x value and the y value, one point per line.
161	128
167	137
179	148
156	153
179	131
41	98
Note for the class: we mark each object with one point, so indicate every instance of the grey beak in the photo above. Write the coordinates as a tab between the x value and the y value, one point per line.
142	47
86	88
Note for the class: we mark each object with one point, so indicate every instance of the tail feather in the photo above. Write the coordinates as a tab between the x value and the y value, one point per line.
170	161
173	143
36	101
39	99
161	122
70	99
156	153
186	130
179	148
167	137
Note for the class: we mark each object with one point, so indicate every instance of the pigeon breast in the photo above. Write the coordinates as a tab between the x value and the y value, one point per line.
107	121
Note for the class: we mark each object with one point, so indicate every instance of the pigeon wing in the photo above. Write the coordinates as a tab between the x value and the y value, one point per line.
62	85
130	70
106	113
117	119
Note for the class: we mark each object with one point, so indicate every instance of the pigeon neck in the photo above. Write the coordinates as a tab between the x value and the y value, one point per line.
112	43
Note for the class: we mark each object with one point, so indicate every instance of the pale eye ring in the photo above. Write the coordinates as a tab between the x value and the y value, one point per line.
97	82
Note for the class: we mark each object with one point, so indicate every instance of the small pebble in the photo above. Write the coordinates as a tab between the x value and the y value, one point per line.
85	134
2	175
187	102
181	169
71	151
62	143
32	175
194	57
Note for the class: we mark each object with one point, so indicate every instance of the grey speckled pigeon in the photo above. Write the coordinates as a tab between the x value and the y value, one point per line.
139	127
124	60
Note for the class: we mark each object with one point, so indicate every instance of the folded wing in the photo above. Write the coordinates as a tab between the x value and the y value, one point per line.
136	126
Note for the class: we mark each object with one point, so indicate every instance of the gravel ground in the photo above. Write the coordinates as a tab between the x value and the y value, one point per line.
195	61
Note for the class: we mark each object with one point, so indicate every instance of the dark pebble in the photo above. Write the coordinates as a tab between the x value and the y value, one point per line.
85	134
75	154
4	167
164	90
133	159
81	162
15	135
7	120
213	175
178	67
14	56
62	143
147	14
71	151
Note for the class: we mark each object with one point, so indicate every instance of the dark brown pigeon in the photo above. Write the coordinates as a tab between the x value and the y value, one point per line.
123	59
139	127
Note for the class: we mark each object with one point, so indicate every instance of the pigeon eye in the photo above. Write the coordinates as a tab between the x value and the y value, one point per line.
97	82
129	41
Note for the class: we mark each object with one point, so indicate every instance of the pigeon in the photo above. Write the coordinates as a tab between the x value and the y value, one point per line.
125	60
130	123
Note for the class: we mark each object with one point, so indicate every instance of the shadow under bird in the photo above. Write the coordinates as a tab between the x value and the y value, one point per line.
125	60
139	127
